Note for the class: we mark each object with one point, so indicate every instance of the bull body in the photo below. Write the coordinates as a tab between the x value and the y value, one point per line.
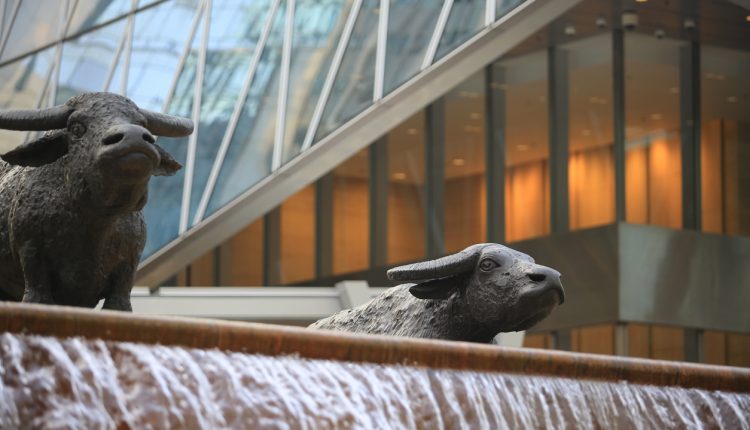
71	227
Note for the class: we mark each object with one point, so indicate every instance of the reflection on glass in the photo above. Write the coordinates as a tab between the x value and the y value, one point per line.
235	29
522	82
22	84
34	27
406	205
86	61
353	88
591	164
297	262
464	196
317	29
465	20
248	158
505	6
241	258
159	38
351	225
410	27
165	193
90	13
725	140
653	187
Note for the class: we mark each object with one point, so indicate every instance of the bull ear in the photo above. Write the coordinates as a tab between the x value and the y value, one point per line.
435	289
168	166
39	152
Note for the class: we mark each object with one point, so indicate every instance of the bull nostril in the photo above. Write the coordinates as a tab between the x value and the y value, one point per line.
148	138
113	138
537	277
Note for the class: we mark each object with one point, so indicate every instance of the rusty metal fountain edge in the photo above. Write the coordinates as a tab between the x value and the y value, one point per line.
254	338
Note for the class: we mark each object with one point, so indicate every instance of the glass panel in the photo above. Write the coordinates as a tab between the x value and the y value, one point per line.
653	184
523	84
410	28
21	86
591	173
90	13
6	12
201	272
465	20
714	347
115	84
297	262
86	61
248	158
598	339
34	27
667	343
159	37
165	193
465	188
351	214
317	29
537	340
236	27
738	349
353	89
505	6
406	205
241	258
725	140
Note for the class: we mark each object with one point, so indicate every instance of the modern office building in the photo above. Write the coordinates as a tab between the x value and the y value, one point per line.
337	138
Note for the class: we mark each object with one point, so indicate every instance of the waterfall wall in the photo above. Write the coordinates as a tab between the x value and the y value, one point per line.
69	368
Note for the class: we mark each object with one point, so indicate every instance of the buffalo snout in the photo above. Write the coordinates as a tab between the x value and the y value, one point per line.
546	279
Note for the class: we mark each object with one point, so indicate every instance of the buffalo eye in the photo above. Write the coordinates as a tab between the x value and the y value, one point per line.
487	265
77	129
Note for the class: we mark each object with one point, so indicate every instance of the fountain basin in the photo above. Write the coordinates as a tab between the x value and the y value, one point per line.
82	368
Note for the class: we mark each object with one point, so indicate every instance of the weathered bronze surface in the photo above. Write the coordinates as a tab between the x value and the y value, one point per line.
471	296
319	344
71	228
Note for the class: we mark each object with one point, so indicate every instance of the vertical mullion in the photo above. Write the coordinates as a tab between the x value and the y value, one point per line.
445	12
338	56
495	150
128	48
113	65
235	118
618	109
281	106
324	226
6	35
378	191
690	135
489	12
193	139
272	247
558	139
435	179
377	92
183	57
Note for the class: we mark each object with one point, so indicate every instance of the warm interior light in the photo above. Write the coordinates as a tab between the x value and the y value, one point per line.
656	116
586	132
459	162
399	176
732	99
411	131
474	115
747	18
641	1
674	90
522	147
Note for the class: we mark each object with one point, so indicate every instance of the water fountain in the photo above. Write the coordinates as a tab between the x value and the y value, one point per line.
64	367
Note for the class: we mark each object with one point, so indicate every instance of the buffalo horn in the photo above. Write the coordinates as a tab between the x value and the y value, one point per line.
35	119
167	125
449	265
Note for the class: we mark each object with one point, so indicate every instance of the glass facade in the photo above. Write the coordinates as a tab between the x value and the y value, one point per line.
266	80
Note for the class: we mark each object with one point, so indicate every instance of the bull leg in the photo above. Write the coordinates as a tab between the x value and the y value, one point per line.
118	293
37	279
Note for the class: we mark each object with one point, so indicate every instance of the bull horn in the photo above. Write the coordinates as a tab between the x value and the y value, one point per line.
167	125
35	119
449	265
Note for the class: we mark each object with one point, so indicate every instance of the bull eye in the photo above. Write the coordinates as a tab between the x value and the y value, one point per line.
77	129
487	265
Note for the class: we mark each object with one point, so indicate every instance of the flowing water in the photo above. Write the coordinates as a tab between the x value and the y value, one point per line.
75	383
